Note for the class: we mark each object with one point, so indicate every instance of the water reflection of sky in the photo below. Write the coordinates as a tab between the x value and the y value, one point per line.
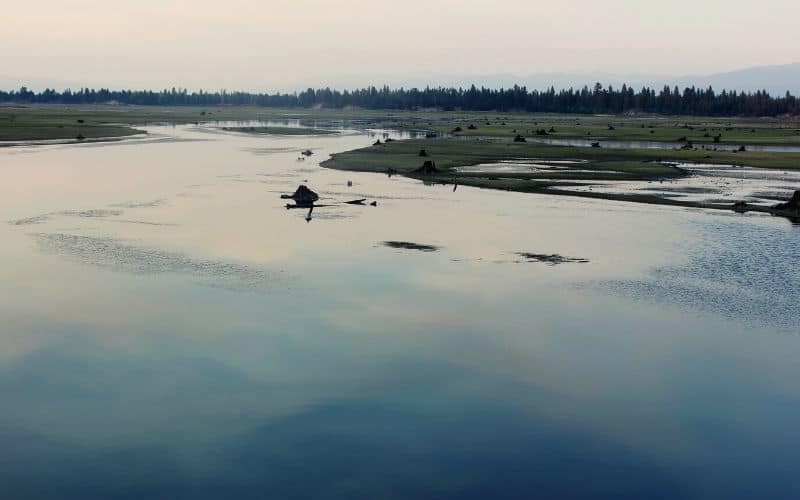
131	367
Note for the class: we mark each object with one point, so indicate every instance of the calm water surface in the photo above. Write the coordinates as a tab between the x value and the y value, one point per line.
171	330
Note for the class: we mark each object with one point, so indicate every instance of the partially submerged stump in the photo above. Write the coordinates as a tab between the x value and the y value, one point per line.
427	168
302	196
790	208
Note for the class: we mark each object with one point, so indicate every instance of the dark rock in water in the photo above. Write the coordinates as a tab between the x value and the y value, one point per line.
742	149
519	138
307	152
377	143
595	144
356	202
427	168
374	203
431	135
457	129
388	140
423	153
302	196
472	127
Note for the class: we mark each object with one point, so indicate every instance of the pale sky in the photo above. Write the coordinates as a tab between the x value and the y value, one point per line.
280	45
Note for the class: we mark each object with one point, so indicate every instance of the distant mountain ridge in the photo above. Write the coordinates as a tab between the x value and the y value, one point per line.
775	79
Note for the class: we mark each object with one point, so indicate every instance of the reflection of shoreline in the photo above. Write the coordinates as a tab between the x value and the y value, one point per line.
55	142
142	138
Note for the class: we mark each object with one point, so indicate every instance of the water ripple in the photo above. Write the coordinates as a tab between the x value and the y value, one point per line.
742	271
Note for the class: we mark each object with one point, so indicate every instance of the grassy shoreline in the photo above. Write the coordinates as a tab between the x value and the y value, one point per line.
677	130
403	156
58	121
591	164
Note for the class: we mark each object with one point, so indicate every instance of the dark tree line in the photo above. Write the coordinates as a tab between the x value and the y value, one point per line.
597	99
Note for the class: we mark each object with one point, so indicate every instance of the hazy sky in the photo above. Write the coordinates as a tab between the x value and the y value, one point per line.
278	45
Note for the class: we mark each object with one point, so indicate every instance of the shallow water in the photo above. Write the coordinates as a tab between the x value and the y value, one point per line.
171	330
615	144
707	183
711	184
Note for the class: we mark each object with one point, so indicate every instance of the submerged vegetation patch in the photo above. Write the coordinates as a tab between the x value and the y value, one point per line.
551	259
116	255
96	213
407	245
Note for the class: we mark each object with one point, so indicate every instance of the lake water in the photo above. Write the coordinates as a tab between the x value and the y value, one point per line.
171	330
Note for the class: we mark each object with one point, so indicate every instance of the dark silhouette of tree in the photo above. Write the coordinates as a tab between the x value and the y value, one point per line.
597	99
